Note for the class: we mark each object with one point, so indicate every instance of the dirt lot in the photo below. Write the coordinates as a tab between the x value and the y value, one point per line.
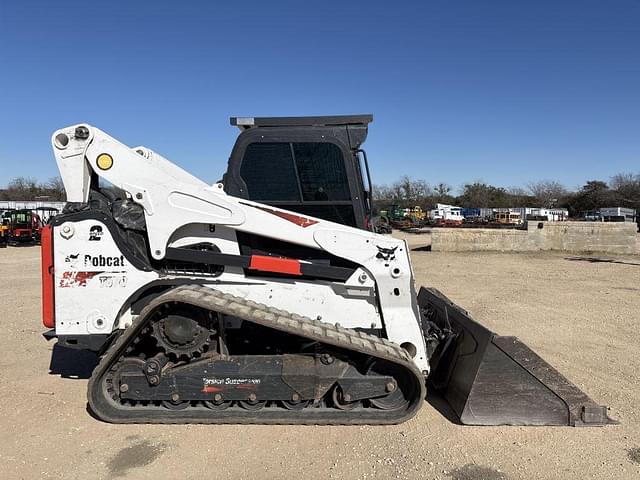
582	316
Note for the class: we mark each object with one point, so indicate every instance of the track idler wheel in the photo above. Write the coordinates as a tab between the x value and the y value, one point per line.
400	391
113	382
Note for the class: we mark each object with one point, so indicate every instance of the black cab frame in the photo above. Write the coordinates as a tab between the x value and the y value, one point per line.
310	165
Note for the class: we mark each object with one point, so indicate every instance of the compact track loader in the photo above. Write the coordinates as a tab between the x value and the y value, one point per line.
212	308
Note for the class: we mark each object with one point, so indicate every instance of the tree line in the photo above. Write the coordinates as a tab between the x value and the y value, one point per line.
29	189
622	190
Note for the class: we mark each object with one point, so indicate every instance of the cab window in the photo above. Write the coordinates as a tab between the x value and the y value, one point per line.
321	172
268	171
298	172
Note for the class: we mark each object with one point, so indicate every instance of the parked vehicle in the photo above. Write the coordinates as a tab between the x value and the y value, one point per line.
446	215
5	231
592	216
508	218
618	214
212	308
25	226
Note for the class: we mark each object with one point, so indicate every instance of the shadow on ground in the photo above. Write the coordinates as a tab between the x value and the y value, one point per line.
599	260
442	407
70	363
133	456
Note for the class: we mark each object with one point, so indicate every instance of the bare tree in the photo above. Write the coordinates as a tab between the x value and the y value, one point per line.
548	193
517	191
623	180
414	190
23	188
27	188
442	189
406	192
382	193
409	190
56	188
627	187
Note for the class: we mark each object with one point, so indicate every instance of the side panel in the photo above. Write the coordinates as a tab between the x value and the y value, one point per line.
352	304
92	278
351	307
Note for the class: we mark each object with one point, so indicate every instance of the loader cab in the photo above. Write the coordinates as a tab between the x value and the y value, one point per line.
310	165
25	225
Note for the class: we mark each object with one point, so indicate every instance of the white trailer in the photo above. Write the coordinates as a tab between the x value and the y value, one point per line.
446	213
618	213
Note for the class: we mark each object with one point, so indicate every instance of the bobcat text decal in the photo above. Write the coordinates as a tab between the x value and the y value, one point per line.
102	261
72	261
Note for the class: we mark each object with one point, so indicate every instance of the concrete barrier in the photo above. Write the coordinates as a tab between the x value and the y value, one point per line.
420	241
561	236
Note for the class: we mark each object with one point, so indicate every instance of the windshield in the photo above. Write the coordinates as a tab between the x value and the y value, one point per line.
22	218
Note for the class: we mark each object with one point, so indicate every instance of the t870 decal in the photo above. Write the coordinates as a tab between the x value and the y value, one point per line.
76	279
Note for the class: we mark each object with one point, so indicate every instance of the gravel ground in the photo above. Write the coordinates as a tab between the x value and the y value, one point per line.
581	316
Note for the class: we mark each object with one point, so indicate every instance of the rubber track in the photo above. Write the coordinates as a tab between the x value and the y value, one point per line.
214	300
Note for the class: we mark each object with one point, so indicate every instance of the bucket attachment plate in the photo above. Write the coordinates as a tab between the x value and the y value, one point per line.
489	379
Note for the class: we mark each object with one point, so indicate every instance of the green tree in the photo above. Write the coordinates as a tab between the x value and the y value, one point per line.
593	195
481	195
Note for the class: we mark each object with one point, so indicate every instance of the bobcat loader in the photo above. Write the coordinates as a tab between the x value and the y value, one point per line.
212	308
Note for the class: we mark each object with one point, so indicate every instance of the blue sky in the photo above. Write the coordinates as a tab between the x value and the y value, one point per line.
504	91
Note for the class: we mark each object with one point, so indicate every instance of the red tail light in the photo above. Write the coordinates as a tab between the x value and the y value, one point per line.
46	252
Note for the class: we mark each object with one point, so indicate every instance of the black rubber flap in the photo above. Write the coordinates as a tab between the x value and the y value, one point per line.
492	380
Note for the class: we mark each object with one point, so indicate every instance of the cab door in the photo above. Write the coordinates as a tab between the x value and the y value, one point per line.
311	174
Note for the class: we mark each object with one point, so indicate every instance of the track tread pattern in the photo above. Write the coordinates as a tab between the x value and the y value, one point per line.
215	300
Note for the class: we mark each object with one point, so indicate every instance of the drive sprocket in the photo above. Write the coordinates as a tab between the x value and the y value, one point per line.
184	333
